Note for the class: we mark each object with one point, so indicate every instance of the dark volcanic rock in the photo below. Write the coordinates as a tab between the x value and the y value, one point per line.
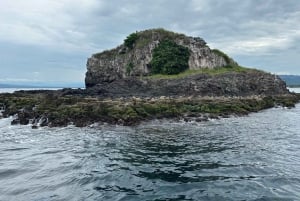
248	83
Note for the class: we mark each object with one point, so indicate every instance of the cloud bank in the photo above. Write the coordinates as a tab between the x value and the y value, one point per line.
58	35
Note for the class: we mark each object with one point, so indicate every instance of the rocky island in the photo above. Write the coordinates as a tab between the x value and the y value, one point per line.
153	74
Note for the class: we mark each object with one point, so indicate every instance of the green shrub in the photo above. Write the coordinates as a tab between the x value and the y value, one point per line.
130	40
222	54
129	68
169	58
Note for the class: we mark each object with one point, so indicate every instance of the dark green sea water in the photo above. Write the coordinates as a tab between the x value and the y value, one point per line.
256	157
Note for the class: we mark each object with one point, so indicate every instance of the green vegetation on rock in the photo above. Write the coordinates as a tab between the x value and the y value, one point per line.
130	40
82	111
169	58
145	37
208	71
222	54
129	68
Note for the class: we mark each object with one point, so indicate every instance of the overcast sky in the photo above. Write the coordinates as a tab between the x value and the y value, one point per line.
50	40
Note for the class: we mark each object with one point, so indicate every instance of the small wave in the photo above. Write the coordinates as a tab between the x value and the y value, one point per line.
11	173
249	158
15	149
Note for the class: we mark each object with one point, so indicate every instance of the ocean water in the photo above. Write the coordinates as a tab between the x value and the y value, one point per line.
256	157
11	90
296	90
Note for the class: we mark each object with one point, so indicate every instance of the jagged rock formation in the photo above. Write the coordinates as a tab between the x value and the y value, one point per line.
248	83
108	66
108	75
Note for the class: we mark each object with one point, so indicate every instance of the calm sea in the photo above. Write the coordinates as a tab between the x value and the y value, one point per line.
256	157
11	90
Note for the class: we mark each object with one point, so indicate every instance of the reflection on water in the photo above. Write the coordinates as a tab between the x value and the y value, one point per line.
248	158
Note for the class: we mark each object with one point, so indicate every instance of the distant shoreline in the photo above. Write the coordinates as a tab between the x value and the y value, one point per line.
15	89
42	85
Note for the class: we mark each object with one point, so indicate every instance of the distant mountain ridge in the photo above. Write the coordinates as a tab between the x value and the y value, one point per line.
291	80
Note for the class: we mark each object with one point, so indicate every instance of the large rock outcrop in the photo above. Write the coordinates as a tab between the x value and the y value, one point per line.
111	65
119	89
124	71
248	83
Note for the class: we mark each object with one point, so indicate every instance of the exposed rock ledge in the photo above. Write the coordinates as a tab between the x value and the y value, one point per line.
246	83
55	108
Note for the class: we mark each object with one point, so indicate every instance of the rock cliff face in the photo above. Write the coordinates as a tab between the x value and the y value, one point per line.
243	84
124	71
112	65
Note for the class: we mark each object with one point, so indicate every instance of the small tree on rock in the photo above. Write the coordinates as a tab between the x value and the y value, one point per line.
130	40
169	58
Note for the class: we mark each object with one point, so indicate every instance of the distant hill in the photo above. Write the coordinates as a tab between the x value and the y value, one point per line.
291	80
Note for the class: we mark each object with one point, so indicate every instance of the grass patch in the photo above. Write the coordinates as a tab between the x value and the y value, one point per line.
208	71
106	54
146	36
142	42
222	54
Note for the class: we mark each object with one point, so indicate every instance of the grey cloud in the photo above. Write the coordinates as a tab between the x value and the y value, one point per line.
261	33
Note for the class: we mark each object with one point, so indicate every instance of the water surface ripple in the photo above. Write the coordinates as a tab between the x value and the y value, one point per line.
247	158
